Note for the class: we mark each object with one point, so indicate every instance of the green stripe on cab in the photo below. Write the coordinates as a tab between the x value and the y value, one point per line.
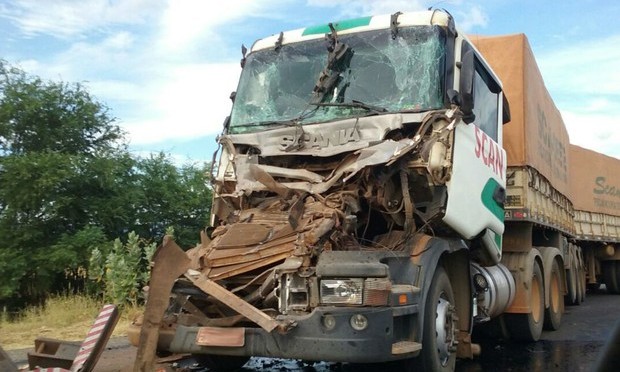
339	26
489	202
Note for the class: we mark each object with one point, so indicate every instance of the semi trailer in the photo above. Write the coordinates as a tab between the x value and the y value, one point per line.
376	198
595	190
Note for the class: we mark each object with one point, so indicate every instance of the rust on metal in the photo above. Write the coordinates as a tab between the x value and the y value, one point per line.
221	336
212	288
169	262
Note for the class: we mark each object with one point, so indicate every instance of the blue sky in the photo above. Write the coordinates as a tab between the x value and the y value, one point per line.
166	68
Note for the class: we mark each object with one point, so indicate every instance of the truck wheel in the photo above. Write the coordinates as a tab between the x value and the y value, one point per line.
571	284
582	284
553	314
610	276
440	326
528	327
221	363
578	287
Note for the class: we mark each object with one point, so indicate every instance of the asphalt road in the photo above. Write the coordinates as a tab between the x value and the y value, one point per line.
575	347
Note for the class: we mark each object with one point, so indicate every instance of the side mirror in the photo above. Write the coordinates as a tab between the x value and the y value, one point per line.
466	85
505	110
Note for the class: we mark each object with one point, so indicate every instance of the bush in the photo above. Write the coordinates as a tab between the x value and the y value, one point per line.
124	270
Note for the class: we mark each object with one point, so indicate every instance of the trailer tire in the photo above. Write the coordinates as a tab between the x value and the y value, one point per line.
582	284
610	276
440	326
528	327
571	284
221	363
553	314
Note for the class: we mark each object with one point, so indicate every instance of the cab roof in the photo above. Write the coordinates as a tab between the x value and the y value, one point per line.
379	22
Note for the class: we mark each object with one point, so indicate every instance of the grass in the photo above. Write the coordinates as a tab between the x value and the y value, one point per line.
65	317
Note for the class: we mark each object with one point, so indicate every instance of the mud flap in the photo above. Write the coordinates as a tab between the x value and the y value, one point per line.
169	262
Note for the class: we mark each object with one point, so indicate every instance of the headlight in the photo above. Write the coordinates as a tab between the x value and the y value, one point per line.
342	291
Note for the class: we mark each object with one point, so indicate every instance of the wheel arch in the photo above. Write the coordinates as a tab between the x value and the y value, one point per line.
453	256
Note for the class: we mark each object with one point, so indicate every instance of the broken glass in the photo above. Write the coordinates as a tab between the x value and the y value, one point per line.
401	74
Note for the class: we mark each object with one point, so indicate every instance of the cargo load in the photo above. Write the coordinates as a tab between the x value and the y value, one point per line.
536	135
535	139
595	191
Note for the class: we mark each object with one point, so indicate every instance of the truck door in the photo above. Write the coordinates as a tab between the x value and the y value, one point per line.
476	190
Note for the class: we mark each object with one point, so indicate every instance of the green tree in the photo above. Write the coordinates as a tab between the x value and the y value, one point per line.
61	157
37	115
177	197
68	185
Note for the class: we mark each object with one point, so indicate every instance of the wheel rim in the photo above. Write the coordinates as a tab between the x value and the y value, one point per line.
536	311
445	326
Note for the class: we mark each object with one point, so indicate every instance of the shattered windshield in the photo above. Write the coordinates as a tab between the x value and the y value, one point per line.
382	75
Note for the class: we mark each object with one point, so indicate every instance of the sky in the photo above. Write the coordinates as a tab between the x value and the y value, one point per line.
166	68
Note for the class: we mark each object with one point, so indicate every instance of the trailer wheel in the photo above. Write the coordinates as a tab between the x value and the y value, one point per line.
582	284
528	327
610	276
571	287
578	285
221	363
553	314
440	326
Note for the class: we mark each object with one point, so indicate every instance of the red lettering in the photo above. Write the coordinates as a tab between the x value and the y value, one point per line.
485	159
478	149
500	162
491	156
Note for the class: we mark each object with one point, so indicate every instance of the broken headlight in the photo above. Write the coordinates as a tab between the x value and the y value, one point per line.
342	291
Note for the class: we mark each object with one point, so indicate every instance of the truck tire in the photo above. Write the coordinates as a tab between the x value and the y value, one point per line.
528	327
610	276
582	283
579	285
440	326
221	363
553	314
571	282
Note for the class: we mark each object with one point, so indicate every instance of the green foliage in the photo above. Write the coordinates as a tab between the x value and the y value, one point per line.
68	185
172	196
57	145
36	115
124	270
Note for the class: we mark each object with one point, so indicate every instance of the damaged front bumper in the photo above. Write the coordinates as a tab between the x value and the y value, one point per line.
327	333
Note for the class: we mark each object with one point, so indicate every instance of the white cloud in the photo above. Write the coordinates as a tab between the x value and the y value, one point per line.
197	24
369	7
472	18
584	81
585	67
191	101
598	132
66	18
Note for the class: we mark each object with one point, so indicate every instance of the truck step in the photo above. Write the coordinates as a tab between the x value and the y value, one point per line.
404	347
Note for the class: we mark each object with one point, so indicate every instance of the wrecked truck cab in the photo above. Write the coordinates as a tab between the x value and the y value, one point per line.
336	233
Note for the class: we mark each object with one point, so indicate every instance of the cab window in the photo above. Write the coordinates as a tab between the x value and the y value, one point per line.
486	100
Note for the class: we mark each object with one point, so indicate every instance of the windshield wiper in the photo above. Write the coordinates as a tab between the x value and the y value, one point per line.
268	123
354	103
